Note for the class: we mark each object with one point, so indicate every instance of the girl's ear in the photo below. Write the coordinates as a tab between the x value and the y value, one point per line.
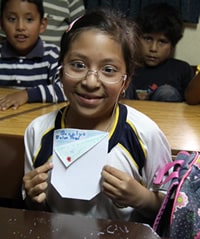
126	83
124	87
43	25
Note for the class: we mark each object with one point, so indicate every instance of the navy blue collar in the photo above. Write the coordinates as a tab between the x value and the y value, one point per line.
7	51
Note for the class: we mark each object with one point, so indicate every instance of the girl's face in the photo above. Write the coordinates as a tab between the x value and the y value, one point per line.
90	97
22	25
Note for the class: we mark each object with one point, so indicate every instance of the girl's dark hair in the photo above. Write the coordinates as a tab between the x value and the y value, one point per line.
162	17
38	3
111	22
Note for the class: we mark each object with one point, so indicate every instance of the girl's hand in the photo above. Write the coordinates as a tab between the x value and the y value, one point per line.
35	183
124	190
119	186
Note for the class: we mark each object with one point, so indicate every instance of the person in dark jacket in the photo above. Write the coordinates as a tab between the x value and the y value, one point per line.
160	77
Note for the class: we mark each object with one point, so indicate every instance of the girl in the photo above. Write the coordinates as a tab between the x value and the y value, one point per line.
97	59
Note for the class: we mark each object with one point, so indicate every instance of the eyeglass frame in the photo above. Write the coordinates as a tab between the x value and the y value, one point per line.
96	72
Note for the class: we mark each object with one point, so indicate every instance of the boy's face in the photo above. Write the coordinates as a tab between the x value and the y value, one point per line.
155	48
22	25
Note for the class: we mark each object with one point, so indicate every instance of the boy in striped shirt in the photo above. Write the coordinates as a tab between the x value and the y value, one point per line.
27	62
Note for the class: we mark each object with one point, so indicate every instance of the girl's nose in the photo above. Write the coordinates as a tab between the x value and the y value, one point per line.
92	78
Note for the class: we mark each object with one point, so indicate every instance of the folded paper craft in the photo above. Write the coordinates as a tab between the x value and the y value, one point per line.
78	159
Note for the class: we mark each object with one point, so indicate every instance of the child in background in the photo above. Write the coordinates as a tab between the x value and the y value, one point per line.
192	95
26	61
59	14
97	59
160	77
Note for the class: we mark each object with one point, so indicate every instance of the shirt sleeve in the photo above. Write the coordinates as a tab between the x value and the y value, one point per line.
76	9
52	91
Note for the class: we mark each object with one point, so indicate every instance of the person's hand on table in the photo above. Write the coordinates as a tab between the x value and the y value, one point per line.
13	100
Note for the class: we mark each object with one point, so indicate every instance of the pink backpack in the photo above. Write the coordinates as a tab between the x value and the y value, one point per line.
179	215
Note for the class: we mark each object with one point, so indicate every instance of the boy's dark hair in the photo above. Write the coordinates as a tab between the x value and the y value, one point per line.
38	3
162	17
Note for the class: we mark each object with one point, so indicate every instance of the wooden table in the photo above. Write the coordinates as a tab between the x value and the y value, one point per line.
18	223
14	122
179	121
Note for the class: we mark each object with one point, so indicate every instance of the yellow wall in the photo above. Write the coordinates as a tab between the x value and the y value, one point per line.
188	48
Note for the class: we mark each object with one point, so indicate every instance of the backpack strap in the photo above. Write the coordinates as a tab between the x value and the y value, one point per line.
164	205
180	166
161	179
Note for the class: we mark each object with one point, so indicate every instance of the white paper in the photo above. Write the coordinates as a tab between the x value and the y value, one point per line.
78	159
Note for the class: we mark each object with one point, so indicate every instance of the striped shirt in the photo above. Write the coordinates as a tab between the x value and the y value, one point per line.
60	14
35	71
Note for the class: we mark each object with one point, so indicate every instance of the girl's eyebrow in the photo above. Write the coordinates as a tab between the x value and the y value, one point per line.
75	55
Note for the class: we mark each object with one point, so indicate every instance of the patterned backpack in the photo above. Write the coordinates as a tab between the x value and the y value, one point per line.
179	215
